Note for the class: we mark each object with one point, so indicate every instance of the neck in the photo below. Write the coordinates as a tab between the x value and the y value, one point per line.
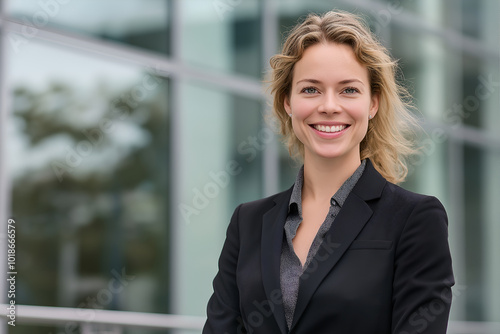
323	177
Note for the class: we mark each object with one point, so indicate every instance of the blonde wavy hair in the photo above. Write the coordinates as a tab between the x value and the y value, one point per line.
387	142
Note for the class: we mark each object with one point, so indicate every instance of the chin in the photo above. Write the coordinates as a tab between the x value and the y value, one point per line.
329	155
332	152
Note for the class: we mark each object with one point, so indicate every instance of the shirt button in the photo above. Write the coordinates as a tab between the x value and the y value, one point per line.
332	201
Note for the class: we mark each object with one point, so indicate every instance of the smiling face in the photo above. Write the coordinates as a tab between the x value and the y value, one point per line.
330	102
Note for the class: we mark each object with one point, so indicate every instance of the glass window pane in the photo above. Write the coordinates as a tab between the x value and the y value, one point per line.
491	247
481	183
291	11
221	146
427	169
474	218
141	23
88	162
444	14
478	108
429	72
489	76
223	36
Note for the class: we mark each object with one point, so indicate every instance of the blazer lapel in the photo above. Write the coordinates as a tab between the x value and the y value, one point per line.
273	223
350	221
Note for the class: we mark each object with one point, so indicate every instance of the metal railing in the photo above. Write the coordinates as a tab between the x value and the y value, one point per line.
63	316
45	315
473	327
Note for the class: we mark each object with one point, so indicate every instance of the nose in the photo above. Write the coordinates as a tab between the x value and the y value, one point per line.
329	104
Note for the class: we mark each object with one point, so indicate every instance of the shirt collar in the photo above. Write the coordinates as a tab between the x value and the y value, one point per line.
296	198
339	197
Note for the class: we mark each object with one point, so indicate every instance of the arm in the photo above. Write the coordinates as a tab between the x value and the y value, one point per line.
423	274
223	307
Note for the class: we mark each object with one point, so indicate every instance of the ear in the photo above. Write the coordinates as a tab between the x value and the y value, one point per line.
374	104
286	104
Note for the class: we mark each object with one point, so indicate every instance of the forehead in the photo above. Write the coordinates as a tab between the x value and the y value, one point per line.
329	62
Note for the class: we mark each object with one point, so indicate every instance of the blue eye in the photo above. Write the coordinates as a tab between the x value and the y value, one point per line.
351	90
310	90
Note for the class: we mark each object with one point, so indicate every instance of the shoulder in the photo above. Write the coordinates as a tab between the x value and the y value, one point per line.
403	194
410	199
398	207
372	185
415	218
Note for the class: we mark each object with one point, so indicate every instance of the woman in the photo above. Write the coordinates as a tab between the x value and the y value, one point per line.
344	250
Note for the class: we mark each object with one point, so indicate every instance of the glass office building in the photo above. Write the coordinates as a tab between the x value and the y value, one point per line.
131	129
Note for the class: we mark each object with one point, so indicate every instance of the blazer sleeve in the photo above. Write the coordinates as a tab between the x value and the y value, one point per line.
423	274
223	314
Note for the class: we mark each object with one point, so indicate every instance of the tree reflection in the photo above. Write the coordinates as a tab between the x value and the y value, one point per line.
89	173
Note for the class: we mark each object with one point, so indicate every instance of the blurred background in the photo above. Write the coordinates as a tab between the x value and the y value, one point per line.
131	129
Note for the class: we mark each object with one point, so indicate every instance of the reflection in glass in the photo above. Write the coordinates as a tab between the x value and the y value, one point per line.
223	35
221	145
88	162
474	231
141	23
481	183
427	168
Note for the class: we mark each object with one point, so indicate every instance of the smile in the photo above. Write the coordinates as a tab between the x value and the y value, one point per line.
329	129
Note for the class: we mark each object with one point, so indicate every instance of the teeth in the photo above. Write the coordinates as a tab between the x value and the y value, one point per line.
334	128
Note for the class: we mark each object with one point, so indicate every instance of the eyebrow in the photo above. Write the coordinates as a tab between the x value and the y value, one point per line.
343	82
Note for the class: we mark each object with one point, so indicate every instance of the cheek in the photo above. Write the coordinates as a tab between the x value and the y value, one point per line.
302	109
299	103
296	127
362	121
360	112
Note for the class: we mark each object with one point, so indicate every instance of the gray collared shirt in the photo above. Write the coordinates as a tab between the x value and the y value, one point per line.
291	269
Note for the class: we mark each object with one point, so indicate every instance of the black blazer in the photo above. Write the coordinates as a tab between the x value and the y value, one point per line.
384	267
